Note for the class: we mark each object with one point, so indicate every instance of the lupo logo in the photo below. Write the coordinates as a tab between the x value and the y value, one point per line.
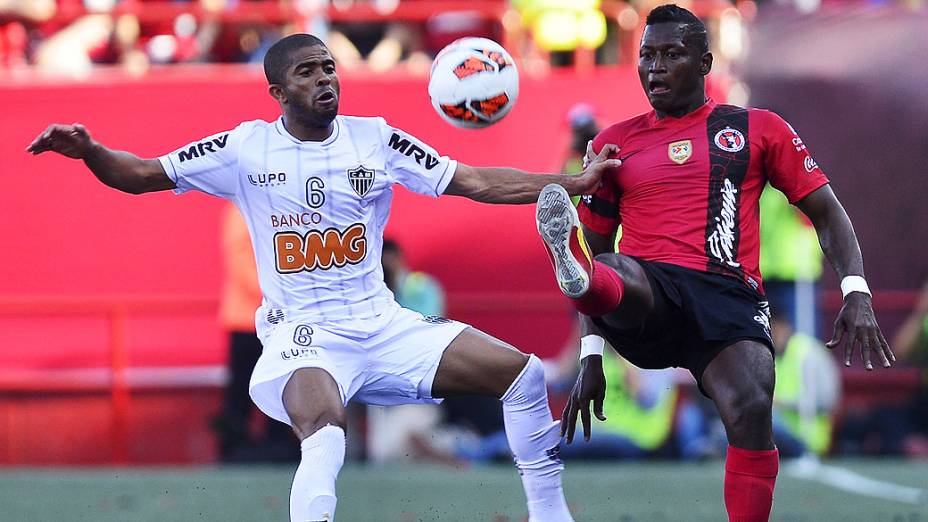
268	180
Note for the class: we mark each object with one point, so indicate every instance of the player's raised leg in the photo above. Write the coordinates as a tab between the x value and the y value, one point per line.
317	414
598	282
740	380
476	363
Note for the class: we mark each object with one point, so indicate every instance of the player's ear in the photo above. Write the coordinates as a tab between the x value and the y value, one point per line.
277	92
705	64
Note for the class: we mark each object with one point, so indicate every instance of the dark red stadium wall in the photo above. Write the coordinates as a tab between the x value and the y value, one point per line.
67	235
862	109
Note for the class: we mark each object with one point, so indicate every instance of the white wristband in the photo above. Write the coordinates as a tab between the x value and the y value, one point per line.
591	345
854	283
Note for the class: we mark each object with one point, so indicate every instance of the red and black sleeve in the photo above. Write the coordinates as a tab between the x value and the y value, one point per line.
600	211
787	162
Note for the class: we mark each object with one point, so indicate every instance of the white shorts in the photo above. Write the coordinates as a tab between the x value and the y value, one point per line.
395	365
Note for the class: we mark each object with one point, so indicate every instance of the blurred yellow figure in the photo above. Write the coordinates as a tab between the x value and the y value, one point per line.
806	394
640	407
564	25
790	261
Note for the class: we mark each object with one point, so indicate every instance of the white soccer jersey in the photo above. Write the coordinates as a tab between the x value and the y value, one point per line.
315	210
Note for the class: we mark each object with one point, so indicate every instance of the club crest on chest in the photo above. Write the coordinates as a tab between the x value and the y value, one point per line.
680	151
361	179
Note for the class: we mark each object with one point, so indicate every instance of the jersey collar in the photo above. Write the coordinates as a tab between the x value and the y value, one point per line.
700	113
282	130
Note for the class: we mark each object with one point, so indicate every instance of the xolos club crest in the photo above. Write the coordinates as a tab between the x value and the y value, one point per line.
729	140
361	179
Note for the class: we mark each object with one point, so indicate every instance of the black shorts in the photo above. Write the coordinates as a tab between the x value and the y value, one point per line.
696	316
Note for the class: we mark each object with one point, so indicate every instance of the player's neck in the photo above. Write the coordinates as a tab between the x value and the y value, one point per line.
692	106
307	132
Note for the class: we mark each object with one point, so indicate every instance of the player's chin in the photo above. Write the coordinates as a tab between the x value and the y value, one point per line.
321	119
661	102
327	113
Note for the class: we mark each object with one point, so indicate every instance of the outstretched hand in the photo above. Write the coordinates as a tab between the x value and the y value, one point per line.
72	141
595	165
857	320
590	387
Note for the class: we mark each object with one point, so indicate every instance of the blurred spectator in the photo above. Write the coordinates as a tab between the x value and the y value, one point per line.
412	289
911	342
563	25
17	17
911	346
790	261
460	429
583	128
94	36
806	394
381	46
100	36
639	408
699	432
397	432
900	429
241	296
559	27
581	118
185	38
805	399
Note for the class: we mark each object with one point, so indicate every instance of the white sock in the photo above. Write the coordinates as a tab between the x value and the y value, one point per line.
312	496
534	438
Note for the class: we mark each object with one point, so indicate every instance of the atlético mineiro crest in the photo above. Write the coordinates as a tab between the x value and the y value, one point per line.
680	151
361	179
729	140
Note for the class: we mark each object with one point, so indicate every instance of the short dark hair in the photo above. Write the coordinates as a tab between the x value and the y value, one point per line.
277	59
693	28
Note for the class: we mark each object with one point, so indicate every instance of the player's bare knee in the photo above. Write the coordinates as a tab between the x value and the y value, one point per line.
529	380
305	425
747	408
508	373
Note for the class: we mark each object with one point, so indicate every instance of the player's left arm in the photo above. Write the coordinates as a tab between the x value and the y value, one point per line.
508	185
856	319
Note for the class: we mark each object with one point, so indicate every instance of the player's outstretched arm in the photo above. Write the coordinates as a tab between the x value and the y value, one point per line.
839	243
506	185
121	170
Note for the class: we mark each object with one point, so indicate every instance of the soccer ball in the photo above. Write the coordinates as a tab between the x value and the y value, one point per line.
474	83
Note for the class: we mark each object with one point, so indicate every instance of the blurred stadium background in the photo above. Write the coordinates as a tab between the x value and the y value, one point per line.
113	361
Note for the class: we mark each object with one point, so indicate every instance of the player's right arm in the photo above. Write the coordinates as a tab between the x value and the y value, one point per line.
121	170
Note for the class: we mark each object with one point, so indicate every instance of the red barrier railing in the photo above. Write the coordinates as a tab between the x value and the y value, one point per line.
117	311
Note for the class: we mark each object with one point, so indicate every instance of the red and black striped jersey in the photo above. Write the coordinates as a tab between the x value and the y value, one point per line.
688	189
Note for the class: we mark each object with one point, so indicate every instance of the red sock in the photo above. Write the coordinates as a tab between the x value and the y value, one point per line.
749	480
604	294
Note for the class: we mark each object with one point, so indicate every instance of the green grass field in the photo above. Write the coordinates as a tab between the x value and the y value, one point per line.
603	492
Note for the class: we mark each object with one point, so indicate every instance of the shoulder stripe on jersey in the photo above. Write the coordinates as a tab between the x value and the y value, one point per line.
729	158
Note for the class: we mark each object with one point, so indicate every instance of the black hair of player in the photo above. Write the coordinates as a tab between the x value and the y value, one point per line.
694	31
277	59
